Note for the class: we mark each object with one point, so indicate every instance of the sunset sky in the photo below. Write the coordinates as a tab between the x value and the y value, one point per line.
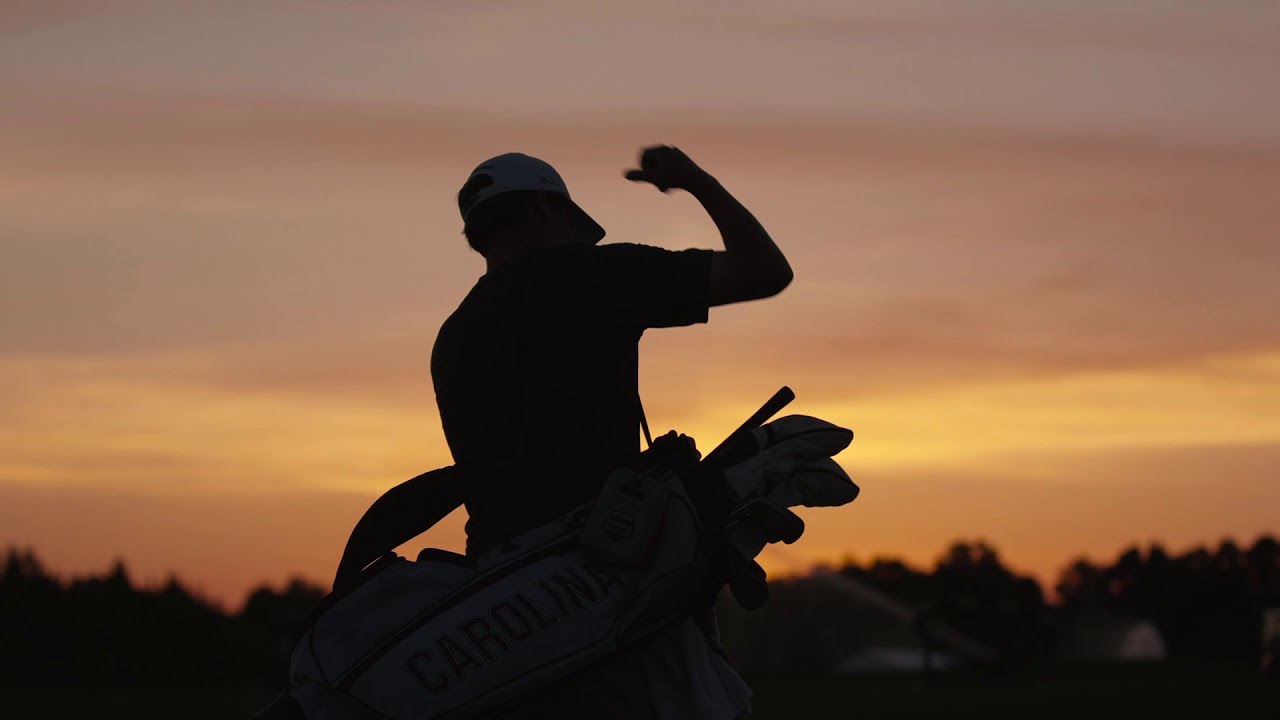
1036	249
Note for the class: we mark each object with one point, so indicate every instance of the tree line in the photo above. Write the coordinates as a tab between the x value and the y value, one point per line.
105	630
1206	604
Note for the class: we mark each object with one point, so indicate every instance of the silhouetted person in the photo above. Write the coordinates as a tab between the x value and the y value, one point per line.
536	373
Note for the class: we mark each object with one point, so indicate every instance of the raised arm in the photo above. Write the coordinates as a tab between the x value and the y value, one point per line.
751	266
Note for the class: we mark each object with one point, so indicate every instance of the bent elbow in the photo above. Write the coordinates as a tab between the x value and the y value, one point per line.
787	276
772	281
781	280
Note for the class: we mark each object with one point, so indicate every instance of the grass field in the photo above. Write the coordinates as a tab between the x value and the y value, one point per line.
1134	692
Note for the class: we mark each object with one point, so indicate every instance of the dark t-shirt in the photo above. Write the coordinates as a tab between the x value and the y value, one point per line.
537	374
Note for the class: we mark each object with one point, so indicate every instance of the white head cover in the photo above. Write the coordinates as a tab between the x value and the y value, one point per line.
517	171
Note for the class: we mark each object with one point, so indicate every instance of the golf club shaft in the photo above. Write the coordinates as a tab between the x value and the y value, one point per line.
771	407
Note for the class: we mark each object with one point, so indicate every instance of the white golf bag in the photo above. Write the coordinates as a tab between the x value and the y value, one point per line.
453	637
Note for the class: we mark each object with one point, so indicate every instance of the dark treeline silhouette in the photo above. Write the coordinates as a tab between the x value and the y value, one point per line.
103	630
971	591
812	624
1206	604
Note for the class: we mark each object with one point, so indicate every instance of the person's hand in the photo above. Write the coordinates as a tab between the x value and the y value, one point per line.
666	167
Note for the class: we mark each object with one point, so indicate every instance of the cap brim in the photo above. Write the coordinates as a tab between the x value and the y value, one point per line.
585	228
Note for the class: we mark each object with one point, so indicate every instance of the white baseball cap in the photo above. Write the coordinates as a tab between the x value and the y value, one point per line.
517	171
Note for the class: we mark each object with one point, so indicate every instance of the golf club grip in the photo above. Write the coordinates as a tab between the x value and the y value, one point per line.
780	399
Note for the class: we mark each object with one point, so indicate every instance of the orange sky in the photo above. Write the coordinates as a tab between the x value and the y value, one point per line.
1035	254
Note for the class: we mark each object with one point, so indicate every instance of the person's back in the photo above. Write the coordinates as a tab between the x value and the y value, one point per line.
536	372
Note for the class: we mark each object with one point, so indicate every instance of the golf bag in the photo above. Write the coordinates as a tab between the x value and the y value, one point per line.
449	636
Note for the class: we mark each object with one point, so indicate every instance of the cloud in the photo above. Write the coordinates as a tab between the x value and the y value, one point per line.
1181	72
169	427
23	16
200	221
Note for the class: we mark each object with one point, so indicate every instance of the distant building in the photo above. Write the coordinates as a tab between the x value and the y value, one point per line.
894	659
832	623
1099	635
1271	643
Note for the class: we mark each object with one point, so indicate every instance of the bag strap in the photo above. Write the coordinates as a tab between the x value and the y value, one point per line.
398	516
644	424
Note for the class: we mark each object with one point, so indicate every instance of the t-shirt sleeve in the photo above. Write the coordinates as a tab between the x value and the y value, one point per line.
643	286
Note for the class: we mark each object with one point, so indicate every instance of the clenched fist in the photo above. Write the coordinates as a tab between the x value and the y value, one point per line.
666	167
